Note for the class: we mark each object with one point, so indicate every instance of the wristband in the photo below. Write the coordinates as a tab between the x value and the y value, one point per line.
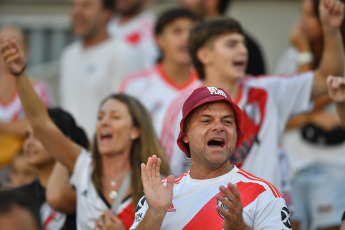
305	57
20	72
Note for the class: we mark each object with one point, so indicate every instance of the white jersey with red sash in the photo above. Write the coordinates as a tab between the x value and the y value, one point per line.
194	202
267	104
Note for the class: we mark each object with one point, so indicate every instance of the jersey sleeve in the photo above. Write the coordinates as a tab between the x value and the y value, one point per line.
140	212
83	160
272	214
290	95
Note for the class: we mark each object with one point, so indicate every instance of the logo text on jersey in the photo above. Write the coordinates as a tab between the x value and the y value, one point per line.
138	217
215	90
171	208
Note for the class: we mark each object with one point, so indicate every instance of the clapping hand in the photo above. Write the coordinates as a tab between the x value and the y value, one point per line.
231	200
108	221
158	196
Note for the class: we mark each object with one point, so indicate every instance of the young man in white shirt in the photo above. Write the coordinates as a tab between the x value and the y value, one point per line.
173	75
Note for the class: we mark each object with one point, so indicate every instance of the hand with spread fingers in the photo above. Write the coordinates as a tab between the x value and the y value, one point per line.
232	213
108	221
157	195
14	57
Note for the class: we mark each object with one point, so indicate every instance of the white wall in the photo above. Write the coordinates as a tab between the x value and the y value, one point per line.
269	21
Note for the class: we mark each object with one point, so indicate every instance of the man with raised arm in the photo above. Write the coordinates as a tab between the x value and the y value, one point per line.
214	194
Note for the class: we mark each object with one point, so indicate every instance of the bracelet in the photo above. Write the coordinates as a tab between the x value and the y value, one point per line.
20	72
305	57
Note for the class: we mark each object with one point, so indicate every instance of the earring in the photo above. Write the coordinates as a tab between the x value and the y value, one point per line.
132	136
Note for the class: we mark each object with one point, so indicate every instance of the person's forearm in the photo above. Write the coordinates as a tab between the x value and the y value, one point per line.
332	62
341	111
56	143
152	220
35	110
60	194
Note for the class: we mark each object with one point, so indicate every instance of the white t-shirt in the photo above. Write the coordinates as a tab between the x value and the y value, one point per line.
301	153
194	202
267	104
155	90
13	110
90	206
138	34
89	75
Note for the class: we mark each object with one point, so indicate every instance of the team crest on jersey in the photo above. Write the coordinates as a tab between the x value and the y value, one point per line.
253	112
215	90
219	203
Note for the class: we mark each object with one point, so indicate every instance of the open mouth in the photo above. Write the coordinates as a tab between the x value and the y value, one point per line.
106	136
216	143
239	63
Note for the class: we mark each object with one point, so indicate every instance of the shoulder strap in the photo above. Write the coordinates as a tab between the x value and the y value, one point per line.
121	194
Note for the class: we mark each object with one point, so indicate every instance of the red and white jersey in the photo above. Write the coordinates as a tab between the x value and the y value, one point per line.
155	90
138	34
90	206
13	110
194	203
267	104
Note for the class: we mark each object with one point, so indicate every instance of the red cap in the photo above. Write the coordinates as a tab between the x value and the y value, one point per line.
202	96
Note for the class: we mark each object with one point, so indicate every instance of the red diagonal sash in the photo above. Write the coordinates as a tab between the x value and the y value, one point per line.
208	217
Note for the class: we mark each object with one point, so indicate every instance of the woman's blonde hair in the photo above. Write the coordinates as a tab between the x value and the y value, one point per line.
143	147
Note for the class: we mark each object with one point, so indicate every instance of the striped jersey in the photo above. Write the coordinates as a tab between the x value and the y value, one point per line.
194	203
13	110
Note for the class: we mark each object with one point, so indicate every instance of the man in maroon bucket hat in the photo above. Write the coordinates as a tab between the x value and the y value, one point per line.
203	96
214	194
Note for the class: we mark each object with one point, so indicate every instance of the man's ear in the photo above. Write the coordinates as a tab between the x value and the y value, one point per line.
204	55
185	139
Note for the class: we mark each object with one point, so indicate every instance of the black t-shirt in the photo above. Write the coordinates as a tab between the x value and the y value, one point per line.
55	220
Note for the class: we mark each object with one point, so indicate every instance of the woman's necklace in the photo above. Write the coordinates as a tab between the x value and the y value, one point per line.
112	194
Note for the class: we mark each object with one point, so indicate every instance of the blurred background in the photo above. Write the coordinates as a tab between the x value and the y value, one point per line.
47	22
